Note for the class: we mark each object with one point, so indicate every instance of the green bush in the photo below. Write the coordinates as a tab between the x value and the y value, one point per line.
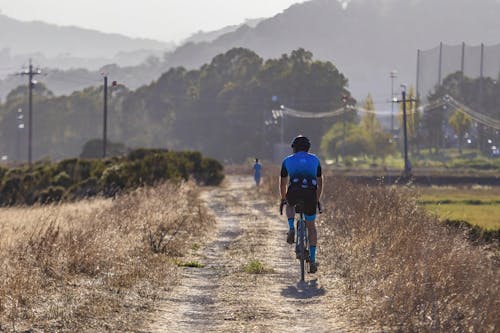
11	192
85	189
62	179
73	179
211	172
51	194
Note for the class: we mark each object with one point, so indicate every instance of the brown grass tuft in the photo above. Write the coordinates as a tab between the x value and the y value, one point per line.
67	267
408	271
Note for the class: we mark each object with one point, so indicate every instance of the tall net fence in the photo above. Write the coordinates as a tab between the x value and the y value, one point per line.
435	64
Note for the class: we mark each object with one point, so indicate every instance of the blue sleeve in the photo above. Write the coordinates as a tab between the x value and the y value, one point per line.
284	171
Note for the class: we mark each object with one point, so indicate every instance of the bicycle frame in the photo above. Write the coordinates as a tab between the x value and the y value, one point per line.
302	245
302	238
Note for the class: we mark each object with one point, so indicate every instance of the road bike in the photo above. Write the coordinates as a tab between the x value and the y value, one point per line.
302	237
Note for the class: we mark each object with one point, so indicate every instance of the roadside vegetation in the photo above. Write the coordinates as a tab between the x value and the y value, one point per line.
95	265
74	178
406	270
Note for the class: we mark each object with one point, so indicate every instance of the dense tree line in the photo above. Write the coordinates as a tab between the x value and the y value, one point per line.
220	109
481	95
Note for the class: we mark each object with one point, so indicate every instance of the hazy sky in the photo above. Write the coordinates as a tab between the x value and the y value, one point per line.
160	19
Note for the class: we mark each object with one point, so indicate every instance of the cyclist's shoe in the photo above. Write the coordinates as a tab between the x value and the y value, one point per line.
290	237
313	267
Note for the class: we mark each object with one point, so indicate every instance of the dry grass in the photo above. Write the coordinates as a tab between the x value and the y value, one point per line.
409	272
94	266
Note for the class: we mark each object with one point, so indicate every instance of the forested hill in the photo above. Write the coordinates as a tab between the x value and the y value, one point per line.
222	109
366	40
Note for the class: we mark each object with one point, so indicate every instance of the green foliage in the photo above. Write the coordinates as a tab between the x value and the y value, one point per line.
51	194
218	109
482	95
73	179
62	179
460	123
256	267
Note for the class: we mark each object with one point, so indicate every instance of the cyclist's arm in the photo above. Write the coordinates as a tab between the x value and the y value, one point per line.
283	184
283	181
319	189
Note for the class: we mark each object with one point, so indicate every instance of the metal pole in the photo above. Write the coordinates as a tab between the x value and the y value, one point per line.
418	75
343	132
405	133
462	63
440	64
18	143
105	121
30	112
393	75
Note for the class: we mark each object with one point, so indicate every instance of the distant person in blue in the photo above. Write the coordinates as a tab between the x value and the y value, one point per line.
257	167
302	180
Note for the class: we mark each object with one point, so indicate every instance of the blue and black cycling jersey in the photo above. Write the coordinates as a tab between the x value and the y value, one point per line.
302	168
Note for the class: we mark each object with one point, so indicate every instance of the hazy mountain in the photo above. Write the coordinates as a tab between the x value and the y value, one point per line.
82	52
209	36
366	39
53	40
70	47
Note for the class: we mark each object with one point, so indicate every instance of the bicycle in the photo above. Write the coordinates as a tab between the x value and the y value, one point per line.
302	238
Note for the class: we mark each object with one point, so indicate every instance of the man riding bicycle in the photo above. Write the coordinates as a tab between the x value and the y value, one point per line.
302	181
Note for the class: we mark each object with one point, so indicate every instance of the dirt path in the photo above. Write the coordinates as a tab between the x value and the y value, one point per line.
222	297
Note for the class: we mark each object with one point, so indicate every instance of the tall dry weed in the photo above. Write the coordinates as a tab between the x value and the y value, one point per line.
96	270
409	272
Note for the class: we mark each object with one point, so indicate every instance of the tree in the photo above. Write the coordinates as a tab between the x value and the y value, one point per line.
460	122
355	143
378	143
370	125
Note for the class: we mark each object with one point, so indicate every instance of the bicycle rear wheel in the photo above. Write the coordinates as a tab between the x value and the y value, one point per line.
301	247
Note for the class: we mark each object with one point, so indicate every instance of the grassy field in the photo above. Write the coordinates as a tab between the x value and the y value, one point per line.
95	265
408	271
477	205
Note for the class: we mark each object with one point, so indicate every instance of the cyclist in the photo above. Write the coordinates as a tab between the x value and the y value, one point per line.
256	175
301	179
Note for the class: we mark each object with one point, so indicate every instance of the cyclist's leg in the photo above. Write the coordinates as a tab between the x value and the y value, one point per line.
290	215
310	217
291	200
313	235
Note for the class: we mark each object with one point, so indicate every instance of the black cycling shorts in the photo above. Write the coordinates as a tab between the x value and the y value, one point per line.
307	197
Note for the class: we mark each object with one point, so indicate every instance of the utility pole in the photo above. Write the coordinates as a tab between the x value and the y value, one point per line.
393	75
19	128
30	73
344	101
105	121
407	171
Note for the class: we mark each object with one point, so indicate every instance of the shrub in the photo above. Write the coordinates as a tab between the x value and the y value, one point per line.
62	179
85	189
51	194
83	178
211	172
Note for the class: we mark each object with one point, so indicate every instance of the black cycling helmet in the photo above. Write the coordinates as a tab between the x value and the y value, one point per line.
301	143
